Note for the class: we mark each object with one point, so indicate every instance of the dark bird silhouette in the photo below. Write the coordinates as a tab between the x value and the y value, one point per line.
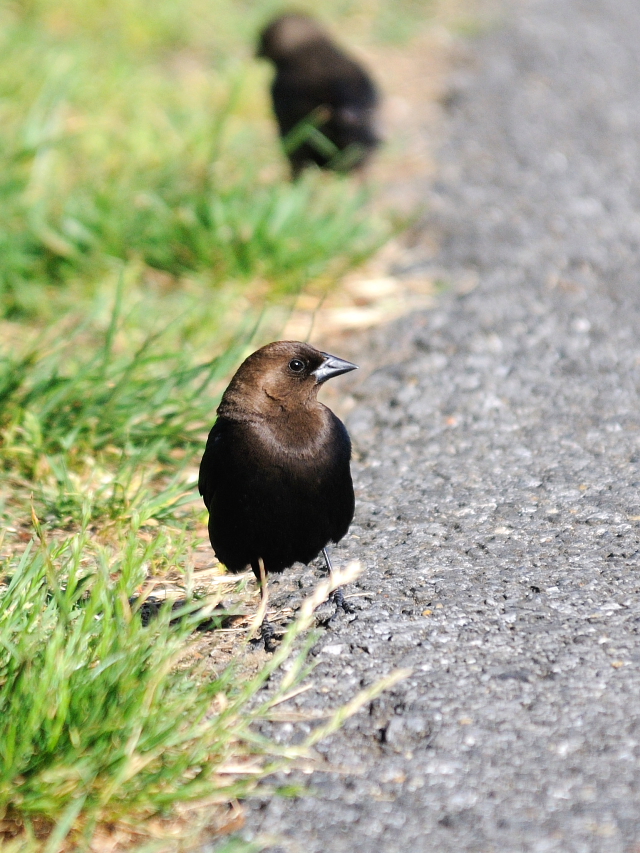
324	101
275	473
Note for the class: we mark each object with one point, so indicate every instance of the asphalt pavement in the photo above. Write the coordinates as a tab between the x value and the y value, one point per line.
498	474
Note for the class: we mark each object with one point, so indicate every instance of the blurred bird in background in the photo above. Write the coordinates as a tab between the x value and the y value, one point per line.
324	101
275	474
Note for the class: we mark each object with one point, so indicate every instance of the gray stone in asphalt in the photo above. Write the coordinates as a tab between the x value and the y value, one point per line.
498	473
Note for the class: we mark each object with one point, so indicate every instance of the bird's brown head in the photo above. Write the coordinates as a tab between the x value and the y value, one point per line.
287	34
282	376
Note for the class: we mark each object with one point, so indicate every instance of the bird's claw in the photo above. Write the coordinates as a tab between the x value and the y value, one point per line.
337	597
268	636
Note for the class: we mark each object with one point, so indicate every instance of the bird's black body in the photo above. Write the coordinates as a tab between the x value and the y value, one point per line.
275	474
270	502
316	81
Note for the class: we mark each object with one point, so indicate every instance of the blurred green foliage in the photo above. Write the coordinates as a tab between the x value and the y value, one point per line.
140	132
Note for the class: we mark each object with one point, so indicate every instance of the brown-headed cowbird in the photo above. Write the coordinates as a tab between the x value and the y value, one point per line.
275	473
317	87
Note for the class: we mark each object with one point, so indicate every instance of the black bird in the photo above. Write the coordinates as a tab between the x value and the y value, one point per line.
317	87
275	473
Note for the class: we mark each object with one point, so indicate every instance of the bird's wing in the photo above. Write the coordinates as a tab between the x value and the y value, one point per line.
210	466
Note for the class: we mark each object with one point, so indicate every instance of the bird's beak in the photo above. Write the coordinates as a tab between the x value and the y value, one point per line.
332	366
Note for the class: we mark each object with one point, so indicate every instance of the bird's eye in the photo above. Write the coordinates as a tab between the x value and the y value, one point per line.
297	365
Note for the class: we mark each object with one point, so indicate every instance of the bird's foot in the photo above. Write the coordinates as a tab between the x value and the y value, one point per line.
148	610
337	597
268	636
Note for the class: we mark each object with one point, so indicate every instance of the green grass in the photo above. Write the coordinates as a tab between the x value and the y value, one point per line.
83	683
140	133
139	167
149	238
99	720
101	426
104	719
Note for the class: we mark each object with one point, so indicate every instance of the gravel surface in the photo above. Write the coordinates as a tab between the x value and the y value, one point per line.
498	474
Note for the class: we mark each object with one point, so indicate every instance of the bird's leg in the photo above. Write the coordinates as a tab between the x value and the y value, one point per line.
337	596
266	628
